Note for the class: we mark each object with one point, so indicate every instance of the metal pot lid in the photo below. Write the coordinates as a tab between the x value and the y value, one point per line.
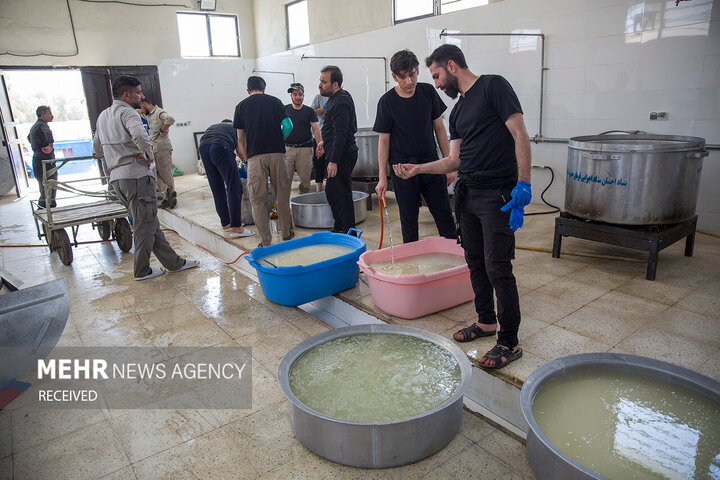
637	142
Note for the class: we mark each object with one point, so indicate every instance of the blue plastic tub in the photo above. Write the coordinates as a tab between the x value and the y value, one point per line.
293	286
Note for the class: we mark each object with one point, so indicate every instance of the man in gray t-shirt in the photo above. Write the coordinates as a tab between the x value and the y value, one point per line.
318	104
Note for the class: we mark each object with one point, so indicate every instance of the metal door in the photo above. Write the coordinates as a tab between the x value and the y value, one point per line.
10	151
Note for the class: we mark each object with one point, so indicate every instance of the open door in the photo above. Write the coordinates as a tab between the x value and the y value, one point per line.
97	83
11	162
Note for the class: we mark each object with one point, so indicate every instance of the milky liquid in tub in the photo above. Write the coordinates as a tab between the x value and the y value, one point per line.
307	255
626	425
420	264
375	377
421	293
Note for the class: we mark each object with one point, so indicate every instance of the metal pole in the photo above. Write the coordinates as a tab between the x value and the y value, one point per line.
384	59
282	73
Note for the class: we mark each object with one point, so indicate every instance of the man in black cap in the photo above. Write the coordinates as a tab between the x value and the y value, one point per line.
299	144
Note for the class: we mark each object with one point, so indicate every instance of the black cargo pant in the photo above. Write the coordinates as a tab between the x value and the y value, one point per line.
138	195
489	246
433	188
339	192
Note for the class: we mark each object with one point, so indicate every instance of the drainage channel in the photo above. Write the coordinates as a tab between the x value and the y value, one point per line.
489	396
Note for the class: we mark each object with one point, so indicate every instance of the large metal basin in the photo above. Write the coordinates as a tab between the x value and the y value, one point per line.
311	210
367	163
635	179
375	445
547	460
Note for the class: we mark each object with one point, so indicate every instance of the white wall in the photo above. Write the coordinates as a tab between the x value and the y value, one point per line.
599	77
198	91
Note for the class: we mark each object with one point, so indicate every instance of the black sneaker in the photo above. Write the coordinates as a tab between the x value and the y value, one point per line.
164	204
289	237
170	194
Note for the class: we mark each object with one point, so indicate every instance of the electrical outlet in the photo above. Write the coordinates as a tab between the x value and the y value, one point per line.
659	115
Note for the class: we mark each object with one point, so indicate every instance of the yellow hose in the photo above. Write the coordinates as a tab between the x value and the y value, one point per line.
577	254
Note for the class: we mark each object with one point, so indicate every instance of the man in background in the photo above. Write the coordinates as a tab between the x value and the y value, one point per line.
299	144
41	141
409	117
122	140
159	122
319	167
262	126
341	151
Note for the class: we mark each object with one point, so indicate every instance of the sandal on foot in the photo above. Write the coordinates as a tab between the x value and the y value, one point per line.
499	352
471	333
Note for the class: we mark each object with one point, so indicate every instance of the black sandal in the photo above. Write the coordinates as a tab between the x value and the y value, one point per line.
497	353
473	332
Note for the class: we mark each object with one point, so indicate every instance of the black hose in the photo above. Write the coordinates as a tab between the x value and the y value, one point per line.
542	197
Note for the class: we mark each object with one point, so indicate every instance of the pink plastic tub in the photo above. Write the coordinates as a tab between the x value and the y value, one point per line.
412	296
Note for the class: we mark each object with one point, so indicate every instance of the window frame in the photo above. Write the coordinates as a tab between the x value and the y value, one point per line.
437	11
287	24
208	31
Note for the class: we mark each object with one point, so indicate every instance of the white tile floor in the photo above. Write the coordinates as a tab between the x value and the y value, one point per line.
570	305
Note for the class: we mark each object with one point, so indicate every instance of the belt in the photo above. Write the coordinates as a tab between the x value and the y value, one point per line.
300	145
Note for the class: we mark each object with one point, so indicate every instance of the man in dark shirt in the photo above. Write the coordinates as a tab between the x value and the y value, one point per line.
41	141
407	117
299	144
341	151
262	125
218	146
489	146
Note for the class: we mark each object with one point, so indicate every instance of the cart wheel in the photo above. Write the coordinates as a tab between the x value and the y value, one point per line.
123	234
105	229
61	244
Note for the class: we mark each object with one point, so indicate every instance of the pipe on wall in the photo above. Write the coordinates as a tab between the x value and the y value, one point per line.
444	33
384	59
281	73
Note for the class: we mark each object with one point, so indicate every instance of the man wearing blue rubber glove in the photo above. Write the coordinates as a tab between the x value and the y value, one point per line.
489	147
521	196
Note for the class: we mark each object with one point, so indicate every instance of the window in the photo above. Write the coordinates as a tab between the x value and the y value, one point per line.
208	35
414	9
298	28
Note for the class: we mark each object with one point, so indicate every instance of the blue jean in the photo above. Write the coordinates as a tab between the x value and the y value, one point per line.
489	246
224	179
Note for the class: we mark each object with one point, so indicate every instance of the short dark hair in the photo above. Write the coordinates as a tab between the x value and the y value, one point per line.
403	61
255	83
335	74
148	101
226	120
444	53
40	111
122	84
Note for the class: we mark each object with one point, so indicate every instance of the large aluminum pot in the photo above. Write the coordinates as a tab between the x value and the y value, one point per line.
311	210
367	162
634	179
376	444
550	462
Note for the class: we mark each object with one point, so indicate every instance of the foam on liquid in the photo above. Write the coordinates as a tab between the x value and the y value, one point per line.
425	263
307	255
625	425
375	377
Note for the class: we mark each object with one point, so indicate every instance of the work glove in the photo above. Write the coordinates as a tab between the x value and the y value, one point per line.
516	216
521	196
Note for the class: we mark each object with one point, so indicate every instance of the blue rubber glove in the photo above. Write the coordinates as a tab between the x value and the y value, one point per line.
516	218
521	196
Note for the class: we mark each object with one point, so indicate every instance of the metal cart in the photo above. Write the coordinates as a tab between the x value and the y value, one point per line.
108	215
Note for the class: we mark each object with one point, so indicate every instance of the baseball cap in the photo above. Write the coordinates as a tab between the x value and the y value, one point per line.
296	86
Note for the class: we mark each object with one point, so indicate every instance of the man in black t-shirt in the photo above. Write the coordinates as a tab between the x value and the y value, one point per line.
489	146
299	144
407	117
262	126
341	151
